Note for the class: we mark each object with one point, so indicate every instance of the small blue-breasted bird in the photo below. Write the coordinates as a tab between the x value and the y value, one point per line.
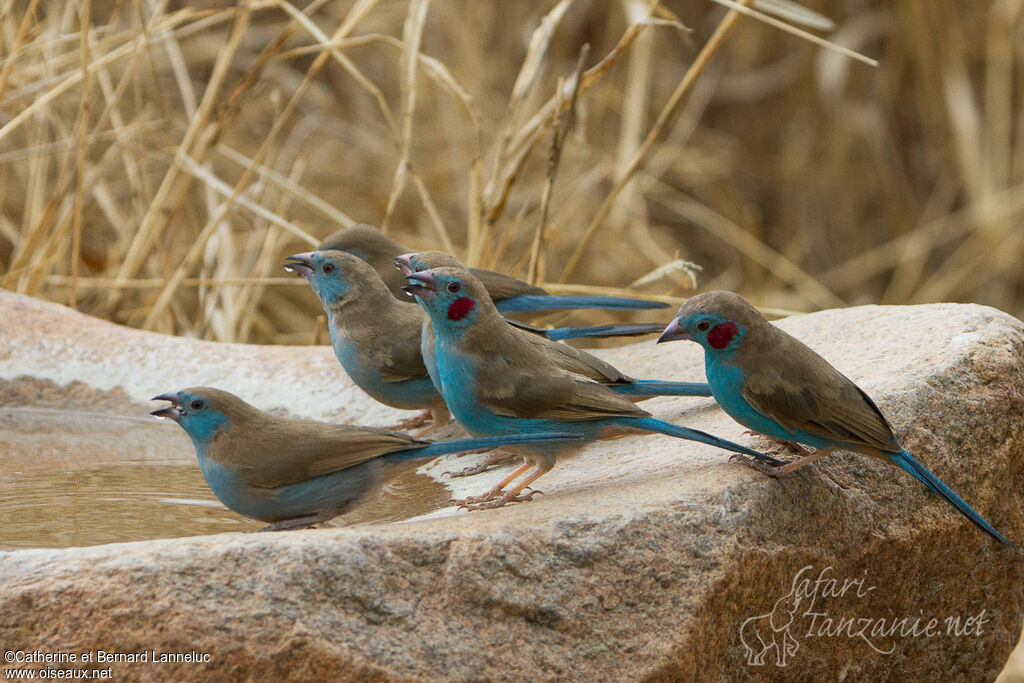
776	385
509	294
496	382
377	339
293	473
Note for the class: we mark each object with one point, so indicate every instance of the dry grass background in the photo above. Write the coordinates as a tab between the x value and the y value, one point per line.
156	168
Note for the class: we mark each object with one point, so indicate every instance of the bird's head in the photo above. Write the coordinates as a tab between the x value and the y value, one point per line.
332	274
451	296
201	411
417	262
364	241
718	321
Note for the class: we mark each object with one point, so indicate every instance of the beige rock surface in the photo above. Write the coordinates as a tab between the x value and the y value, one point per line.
648	557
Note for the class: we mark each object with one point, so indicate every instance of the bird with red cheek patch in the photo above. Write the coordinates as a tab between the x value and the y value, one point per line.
722	334
497	380
775	385
460	308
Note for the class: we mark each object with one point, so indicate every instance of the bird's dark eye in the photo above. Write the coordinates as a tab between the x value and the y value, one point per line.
418	269
703	325
196	404
454	287
327	268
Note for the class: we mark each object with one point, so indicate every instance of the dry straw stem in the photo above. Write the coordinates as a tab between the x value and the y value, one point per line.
290	188
563	126
83	143
946	229
164	28
411	59
157	283
16	47
742	8
333	44
412	37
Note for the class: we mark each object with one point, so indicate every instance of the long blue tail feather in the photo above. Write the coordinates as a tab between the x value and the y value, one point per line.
610	330
534	303
444	447
613	330
907	463
657	387
680	432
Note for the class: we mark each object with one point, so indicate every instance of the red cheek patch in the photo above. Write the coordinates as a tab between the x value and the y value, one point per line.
720	335
460	308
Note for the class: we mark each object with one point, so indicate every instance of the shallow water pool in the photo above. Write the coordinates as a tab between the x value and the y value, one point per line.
74	478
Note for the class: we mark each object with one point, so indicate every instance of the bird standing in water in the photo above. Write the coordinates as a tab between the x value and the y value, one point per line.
294	473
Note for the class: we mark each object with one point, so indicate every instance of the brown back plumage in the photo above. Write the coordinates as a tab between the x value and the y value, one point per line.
498	285
270	451
375	248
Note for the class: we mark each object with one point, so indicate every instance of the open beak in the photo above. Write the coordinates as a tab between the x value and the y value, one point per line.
674	332
300	263
421	284
171	412
404	263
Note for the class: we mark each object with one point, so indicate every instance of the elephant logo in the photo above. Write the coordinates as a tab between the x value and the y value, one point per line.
769	634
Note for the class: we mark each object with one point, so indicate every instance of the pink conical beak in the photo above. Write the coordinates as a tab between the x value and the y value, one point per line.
674	332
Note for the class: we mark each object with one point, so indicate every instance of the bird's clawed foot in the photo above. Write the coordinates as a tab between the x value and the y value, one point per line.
420	420
502	499
782	469
804	452
759	465
290	524
495	460
476	500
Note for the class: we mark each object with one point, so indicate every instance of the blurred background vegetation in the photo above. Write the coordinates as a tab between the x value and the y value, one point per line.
158	167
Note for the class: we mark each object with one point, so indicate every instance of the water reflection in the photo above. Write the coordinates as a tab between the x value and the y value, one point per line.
76	479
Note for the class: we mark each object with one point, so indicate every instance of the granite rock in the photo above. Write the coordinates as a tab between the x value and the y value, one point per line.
647	558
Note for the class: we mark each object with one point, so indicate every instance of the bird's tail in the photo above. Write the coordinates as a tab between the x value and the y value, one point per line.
615	330
656	387
531	303
924	475
680	432
612	330
432	450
